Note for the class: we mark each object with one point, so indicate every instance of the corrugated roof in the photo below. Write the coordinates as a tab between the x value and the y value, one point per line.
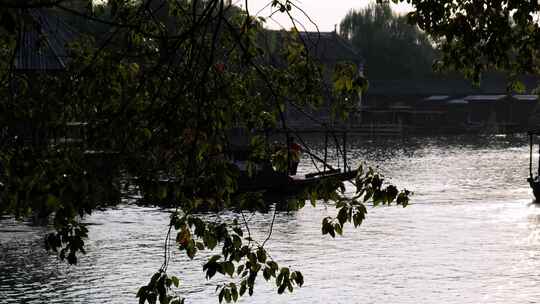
457	101
443	84
484	98
42	46
526	98
437	98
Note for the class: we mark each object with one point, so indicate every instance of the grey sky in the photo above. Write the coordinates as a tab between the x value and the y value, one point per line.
325	13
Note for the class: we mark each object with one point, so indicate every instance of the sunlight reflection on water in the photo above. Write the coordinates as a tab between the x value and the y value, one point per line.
471	235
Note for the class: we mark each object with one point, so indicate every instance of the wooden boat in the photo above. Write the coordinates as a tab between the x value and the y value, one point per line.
264	178
534	180
269	181
282	184
274	186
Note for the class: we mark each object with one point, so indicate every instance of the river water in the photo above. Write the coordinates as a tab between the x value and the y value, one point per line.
470	235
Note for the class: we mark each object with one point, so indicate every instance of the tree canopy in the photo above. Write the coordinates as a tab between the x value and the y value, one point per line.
392	48
478	36
155	93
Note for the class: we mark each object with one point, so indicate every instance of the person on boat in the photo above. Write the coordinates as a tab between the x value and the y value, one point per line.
295	152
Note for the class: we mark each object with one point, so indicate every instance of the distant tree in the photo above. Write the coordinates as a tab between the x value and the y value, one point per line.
392	48
479	36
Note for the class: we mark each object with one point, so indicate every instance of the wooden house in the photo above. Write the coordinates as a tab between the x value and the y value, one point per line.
327	48
42	51
449	105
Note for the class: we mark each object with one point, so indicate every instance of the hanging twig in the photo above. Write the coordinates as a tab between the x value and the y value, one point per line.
247	227
271	227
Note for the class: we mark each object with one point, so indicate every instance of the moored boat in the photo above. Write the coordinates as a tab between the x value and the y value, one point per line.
276	183
264	176
534	179
271	181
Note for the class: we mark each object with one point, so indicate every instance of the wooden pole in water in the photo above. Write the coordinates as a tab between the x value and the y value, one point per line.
288	143
344	151
325	150
538	159
336	142
530	154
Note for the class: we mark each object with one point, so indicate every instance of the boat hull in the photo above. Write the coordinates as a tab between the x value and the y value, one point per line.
535	186
272	185
283	184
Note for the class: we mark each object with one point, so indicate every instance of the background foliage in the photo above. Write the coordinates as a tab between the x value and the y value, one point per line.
155	88
391	47
479	36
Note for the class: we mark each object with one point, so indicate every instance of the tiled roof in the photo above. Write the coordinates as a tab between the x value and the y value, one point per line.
329	46
42	46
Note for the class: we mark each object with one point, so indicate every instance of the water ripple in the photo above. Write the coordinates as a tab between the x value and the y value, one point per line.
470	236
